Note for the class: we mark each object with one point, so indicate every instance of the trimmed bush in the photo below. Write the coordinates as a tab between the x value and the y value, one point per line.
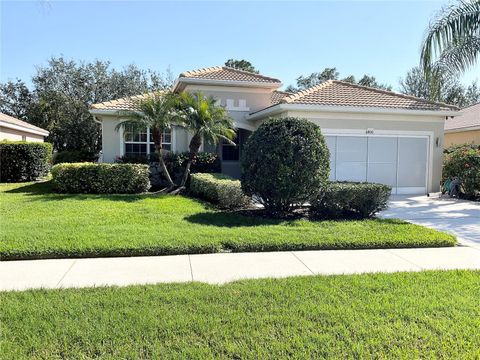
90	178
285	163
74	156
350	199
24	161
463	161
219	189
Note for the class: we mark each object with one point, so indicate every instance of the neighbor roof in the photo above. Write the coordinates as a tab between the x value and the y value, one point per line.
6	120
340	93
225	73
470	118
126	103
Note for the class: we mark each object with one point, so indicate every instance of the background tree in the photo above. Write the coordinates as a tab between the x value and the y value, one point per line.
241	65
62	92
16	99
157	112
439	86
452	42
206	121
305	82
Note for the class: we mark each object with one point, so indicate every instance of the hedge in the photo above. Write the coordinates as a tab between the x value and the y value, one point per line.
219	189
350	199
24	161
90	178
74	156
463	162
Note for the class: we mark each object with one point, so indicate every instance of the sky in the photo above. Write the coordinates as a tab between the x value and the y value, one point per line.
282	39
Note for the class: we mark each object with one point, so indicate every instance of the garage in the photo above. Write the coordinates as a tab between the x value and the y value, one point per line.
398	161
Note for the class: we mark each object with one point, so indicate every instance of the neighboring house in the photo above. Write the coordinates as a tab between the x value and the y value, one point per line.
465	128
373	135
17	130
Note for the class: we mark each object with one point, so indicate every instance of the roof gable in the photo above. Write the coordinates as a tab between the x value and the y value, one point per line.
341	93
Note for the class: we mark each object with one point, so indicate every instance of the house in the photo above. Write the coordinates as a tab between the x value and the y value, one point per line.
373	135
465	128
17	130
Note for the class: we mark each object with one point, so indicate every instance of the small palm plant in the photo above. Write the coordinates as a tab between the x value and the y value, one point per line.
157	112
453	40
206	121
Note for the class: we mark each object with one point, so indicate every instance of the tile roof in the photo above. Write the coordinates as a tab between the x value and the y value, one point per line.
126	103
14	121
470	117
228	74
340	93
277	96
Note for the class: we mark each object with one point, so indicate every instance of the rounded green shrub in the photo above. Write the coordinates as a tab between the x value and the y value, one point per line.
464	162
24	161
285	163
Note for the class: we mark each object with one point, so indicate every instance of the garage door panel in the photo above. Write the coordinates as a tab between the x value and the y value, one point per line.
351	171
351	149
382	160
412	160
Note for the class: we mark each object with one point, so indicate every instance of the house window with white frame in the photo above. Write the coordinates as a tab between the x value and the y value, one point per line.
141	142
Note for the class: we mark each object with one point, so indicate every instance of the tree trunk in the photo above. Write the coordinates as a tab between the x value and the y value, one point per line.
157	140
194	147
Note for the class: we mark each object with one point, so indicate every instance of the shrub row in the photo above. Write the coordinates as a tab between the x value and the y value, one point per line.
219	189
75	156
100	178
463	162
350	199
24	161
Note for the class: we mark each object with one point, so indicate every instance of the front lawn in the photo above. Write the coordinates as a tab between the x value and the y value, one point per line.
36	223
394	316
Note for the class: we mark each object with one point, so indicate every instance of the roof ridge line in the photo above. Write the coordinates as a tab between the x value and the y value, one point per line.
250	73
302	93
394	93
200	71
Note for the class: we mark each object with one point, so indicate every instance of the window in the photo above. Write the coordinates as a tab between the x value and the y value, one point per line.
230	152
24	137
141	142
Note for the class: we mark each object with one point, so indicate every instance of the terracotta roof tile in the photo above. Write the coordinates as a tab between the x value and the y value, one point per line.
277	96
14	121
126	103
470	117
340	93
228	74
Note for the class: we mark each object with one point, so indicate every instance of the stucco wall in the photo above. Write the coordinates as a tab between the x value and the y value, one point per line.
377	122
463	137
17	135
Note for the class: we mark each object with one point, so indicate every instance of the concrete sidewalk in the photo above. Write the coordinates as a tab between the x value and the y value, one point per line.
225	267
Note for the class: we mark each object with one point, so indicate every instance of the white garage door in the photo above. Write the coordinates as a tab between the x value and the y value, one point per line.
398	161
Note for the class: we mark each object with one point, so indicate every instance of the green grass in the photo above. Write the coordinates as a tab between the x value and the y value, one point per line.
404	315
36	223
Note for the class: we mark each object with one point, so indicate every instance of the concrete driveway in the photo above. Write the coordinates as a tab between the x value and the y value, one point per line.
459	217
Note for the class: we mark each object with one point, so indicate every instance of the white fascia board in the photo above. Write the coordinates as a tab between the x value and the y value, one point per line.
23	128
187	81
467	128
346	109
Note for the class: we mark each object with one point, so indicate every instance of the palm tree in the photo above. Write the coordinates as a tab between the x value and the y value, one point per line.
453	39
207	121
157	112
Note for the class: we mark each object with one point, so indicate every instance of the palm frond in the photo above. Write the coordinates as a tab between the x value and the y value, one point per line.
460	21
460	55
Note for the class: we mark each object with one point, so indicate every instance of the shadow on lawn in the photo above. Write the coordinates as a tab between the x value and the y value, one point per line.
43	191
230	219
